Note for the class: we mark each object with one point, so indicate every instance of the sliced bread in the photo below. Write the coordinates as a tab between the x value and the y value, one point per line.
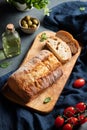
69	39
60	49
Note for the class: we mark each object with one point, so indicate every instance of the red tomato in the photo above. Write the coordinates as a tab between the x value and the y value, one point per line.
81	118
59	121
67	127
78	83
73	121
84	120
69	111
80	107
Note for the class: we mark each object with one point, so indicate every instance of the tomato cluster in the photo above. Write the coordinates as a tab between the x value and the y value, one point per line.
72	117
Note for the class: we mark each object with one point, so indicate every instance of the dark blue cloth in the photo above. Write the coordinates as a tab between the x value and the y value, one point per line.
69	17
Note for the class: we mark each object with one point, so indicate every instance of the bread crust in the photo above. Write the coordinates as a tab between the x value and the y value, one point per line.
35	76
69	39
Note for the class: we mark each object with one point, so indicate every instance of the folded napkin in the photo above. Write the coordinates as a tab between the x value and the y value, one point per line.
72	17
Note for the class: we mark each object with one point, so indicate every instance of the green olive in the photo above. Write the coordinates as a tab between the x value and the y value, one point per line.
34	26
25	25
35	21
23	22
27	18
29	23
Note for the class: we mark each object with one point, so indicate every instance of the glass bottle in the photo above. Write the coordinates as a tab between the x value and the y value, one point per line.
11	41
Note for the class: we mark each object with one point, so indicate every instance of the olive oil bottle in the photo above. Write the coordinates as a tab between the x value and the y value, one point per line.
11	41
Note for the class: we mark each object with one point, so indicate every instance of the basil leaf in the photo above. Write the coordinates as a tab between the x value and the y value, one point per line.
43	37
82	8
48	99
4	64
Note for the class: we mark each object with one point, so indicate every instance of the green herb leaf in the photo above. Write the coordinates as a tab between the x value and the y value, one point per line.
4	64
47	11
82	8
38	4
43	37
48	99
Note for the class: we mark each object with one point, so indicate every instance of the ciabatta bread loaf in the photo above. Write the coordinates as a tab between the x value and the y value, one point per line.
60	49
69	39
35	76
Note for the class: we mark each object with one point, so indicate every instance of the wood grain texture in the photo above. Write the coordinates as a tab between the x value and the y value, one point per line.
54	91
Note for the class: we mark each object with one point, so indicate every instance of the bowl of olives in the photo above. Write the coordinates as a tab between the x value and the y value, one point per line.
29	24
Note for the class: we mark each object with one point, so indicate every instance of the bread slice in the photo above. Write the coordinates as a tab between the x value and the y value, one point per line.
60	49
69	39
35	76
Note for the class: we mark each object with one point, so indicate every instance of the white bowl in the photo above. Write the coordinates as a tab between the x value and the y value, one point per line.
29	30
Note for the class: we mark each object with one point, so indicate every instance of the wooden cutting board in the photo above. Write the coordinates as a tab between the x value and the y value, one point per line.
54	91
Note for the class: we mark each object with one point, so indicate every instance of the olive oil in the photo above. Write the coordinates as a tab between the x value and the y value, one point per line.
11	41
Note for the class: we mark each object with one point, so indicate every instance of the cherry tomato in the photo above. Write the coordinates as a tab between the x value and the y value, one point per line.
59	121
73	121
84	120
80	107
67	127
78	83
81	118
69	111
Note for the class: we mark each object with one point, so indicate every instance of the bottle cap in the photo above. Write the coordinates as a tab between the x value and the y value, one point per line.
10	27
